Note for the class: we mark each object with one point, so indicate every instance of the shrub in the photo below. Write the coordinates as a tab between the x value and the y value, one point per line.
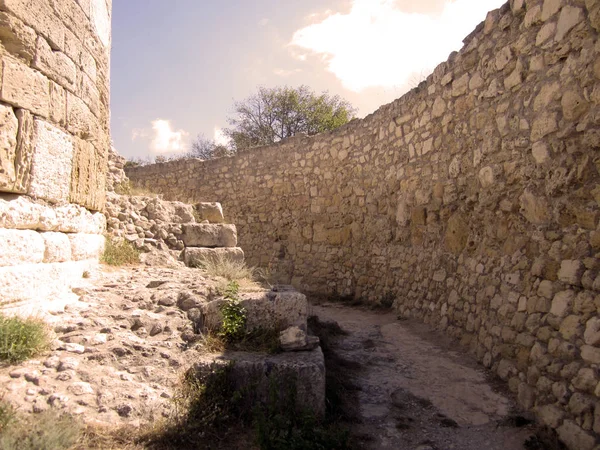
21	339
119	253
233	327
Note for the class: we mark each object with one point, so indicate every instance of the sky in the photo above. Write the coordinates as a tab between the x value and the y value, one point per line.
177	67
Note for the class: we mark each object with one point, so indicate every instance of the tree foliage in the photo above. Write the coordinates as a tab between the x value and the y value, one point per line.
273	114
205	148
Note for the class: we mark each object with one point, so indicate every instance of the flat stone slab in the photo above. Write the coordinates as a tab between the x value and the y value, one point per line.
209	235
269	309
196	256
257	374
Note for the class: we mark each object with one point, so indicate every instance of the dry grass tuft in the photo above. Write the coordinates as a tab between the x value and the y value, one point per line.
119	253
227	268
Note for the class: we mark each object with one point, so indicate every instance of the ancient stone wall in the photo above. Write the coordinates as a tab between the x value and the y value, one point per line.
54	134
472	203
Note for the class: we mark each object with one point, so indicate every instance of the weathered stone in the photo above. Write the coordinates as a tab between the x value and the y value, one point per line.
25	150
20	247
17	38
571	272
24	87
55	65
573	105
88	176
590	354
562	303
86	246
8	148
457	234
198	256
535	209
550	8
57	247
569	17
574	437
51	165
295	339
209	235
275	373
40	16
213	212
592	331
550	415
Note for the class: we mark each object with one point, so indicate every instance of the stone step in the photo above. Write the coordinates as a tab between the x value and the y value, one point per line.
209	235
196	256
297	376
265	309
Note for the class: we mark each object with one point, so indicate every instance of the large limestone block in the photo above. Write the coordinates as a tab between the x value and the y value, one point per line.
40	16
279	310
25	149
8	147
24	87
55	65
31	289
198	256
20	247
88	177
21	212
169	212
209	235
100	15
17	38
86	246
213	212
58	247
52	163
301	375
80	119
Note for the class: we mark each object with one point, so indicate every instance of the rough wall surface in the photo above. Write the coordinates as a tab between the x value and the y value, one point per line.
472	202
54	142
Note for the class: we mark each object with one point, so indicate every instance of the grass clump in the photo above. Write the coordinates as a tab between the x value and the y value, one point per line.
227	268
45	431
21	339
119	253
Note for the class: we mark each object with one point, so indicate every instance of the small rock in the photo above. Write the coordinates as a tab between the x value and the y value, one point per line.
52	362
33	377
68	364
75	348
58	400
17	373
124	410
157	328
80	388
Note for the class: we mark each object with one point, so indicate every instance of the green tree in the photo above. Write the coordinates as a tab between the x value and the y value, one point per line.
205	148
273	114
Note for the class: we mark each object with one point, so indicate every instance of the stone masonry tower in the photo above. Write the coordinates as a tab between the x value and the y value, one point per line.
54	141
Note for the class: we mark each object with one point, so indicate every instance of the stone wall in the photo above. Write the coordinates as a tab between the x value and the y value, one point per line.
472	203
54	135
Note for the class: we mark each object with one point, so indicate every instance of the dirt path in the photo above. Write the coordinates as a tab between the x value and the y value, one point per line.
416	392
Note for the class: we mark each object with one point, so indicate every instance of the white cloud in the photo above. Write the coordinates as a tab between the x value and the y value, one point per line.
163	139
284	72
378	45
219	137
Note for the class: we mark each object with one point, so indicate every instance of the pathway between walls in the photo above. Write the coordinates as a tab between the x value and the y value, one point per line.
417	392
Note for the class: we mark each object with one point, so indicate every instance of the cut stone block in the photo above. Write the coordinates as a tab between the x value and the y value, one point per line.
213	212
32	289
88	177
58	247
20	247
17	38
260	375
21	212
279	310
24	155
40	16
51	165
24	87
86	246
9	126
209	235
196	256
55	65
